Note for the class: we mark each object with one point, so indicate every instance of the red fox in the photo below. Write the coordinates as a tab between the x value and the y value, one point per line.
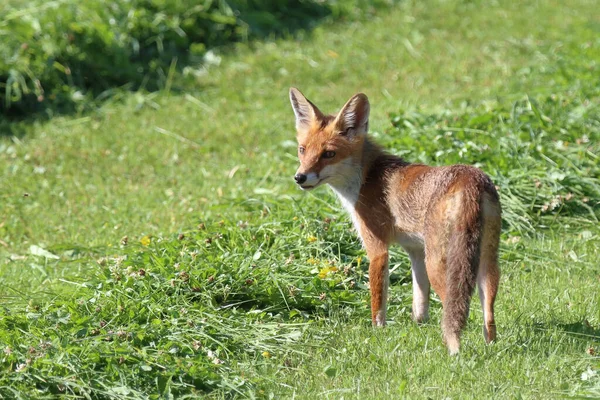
448	219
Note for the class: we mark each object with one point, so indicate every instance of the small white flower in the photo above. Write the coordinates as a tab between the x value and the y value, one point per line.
214	358
589	374
77	96
211	58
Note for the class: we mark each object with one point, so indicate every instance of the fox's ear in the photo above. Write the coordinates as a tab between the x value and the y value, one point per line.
306	112
353	119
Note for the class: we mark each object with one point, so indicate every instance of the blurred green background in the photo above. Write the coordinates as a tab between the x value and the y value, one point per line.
56	54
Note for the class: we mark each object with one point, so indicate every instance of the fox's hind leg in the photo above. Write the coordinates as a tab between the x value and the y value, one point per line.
488	276
421	285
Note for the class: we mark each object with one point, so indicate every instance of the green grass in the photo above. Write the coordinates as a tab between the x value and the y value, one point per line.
541	349
247	301
62	55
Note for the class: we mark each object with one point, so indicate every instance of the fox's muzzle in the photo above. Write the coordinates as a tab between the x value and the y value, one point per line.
307	181
300	178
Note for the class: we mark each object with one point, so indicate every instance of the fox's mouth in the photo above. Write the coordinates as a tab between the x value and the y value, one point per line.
310	187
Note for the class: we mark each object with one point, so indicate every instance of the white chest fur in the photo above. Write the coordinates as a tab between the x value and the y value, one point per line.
348	194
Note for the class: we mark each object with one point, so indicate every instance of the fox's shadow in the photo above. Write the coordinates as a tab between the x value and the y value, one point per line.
581	329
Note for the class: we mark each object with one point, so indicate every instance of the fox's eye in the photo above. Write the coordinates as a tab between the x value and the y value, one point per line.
301	150
329	154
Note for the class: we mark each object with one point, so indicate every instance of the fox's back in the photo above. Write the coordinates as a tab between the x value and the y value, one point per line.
410	194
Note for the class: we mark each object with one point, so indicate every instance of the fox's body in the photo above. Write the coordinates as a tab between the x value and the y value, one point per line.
446	218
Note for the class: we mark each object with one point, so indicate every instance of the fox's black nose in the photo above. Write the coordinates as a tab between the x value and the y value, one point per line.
300	178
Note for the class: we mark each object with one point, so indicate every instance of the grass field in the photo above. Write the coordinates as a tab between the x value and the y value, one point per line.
157	246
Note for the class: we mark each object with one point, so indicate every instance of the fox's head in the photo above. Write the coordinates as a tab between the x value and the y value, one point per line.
329	146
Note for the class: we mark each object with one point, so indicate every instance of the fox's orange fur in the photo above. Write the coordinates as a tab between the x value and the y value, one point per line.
446	218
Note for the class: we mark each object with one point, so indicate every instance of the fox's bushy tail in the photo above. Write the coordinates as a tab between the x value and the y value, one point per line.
463	253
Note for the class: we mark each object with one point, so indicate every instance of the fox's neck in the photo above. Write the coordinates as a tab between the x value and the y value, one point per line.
359	168
370	153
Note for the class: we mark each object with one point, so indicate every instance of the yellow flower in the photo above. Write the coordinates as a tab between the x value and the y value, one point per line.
312	261
266	354
311	239
145	241
325	271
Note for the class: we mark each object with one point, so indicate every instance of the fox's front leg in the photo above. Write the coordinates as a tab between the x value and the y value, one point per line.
378	283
